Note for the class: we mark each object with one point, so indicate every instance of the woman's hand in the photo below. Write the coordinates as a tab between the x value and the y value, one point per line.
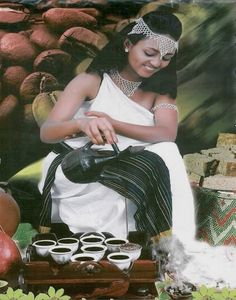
99	129
99	114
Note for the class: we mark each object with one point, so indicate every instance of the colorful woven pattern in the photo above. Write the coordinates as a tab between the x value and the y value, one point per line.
216	217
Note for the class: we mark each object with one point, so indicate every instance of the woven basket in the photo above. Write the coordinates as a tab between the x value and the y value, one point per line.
216	216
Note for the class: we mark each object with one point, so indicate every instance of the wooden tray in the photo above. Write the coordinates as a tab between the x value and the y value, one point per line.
91	280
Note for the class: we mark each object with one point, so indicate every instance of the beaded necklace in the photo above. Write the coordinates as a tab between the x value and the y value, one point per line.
128	87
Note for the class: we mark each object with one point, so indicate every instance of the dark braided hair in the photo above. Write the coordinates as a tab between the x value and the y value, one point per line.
113	55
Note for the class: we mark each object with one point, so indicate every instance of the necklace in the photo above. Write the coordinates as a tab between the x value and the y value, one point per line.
127	87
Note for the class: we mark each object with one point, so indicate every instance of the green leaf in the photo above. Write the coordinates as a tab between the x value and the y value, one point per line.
65	297
225	292
59	293
211	291
216	297
203	290
24	297
31	296
164	296
18	293
232	293
196	295
42	296
3	297
10	292
51	291
160	285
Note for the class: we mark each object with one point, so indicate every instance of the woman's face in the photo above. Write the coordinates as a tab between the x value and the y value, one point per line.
144	58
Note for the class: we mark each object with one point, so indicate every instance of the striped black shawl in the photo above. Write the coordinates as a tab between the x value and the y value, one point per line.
142	177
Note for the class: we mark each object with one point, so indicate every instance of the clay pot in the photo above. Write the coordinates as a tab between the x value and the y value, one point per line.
36	83
17	49
9	213
10	255
61	19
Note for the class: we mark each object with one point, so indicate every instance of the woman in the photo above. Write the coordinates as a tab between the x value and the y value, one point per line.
130	91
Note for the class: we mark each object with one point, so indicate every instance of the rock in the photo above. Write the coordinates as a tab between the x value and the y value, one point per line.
227	168
226	140
220	182
200	164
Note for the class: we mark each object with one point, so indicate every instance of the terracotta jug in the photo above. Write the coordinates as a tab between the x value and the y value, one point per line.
9	213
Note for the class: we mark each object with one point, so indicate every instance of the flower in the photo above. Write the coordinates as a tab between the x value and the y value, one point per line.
11	294
56	295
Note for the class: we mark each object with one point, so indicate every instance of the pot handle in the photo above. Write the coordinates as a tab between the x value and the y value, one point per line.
114	146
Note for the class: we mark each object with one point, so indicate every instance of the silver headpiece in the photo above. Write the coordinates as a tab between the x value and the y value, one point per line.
166	44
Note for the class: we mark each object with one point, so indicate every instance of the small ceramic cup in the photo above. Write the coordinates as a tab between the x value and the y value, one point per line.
113	244
121	259
43	246
97	250
133	249
70	242
61	254
83	257
92	240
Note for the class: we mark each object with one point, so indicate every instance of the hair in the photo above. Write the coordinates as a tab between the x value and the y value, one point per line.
113	55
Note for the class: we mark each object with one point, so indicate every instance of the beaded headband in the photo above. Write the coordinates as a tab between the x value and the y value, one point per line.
166	44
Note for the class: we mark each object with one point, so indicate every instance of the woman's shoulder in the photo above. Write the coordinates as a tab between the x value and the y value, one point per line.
88	78
159	98
89	82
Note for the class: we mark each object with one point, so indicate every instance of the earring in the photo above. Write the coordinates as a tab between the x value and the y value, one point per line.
126	50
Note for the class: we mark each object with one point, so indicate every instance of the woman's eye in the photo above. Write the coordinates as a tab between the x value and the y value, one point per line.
149	53
167	57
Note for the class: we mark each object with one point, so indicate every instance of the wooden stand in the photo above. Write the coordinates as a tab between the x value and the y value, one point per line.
93	280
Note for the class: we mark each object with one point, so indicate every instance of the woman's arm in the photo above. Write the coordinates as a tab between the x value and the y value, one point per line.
164	129
60	123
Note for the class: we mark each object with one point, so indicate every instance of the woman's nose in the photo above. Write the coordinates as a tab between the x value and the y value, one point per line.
156	62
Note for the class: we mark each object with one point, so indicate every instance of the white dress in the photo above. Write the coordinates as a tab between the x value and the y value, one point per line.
94	207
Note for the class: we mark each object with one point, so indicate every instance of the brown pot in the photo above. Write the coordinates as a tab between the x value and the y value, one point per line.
9	213
61	19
